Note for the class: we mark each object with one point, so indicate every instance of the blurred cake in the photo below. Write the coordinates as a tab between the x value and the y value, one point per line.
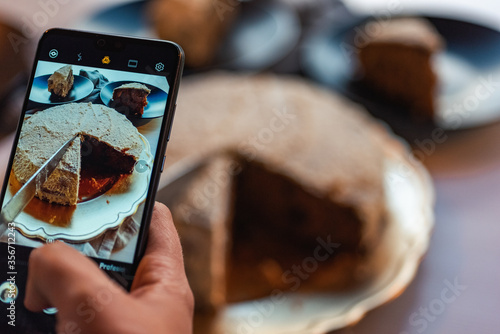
61	81
396	61
107	139
199	26
292	196
131	98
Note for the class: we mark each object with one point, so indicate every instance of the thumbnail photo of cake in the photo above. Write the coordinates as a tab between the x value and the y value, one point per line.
61	81
60	85
135	99
132	97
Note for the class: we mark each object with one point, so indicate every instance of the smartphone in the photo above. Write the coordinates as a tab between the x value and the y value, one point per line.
116	96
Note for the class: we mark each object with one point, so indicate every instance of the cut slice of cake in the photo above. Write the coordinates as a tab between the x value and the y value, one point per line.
107	139
397	63
202	207
61	81
131	98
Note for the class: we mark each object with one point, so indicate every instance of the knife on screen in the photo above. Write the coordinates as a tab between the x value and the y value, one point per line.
19	201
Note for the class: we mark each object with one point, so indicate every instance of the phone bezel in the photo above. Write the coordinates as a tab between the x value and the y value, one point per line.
174	67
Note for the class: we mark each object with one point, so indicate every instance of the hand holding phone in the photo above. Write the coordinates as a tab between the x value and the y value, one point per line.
113	98
160	300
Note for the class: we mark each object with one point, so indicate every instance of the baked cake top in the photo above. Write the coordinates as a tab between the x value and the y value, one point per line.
62	73
324	143
410	31
134	85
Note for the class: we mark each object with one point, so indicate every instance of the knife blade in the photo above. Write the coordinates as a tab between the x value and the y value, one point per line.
19	201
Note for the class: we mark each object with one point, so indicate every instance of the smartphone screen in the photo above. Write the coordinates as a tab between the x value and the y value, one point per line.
116	97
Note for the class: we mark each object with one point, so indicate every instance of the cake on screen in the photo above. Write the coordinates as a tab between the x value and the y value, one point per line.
61	81
131	98
106	139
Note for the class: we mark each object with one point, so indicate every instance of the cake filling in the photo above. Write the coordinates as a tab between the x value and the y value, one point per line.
101	167
300	223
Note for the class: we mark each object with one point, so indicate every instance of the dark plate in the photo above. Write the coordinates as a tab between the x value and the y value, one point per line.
157	99
265	32
470	60
82	87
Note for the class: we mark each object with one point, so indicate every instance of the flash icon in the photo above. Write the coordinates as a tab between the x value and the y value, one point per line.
106	60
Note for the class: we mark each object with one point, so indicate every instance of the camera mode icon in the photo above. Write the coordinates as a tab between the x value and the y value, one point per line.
53	53
133	63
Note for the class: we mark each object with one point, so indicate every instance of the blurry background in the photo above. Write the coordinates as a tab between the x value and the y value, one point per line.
282	37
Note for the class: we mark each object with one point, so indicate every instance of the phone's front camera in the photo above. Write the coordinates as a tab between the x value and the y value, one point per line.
101	42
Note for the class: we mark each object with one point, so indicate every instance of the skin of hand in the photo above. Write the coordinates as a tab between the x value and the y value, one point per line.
160	299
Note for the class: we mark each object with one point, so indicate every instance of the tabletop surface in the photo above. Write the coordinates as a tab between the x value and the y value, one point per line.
456	289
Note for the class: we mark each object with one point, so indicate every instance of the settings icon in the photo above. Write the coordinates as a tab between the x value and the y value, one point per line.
53	53
159	67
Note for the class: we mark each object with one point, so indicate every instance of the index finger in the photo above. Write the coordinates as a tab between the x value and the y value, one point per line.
163	239
163	262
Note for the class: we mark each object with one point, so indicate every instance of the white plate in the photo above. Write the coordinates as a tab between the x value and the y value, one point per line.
410	199
92	218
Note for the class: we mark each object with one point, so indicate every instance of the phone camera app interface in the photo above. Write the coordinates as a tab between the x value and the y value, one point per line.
111	122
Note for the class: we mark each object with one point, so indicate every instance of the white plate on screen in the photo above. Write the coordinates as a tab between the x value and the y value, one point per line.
82	87
88	220
157	99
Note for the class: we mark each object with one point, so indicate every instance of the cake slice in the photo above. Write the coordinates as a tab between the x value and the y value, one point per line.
131	99
397	63
203	219
61	81
62	186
